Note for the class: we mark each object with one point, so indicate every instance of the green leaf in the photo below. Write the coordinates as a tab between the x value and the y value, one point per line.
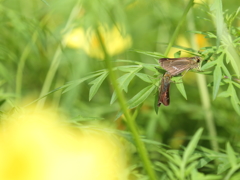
210	35
156	107
72	84
188	50
50	92
175	169
127	78
192	145
233	56
170	158
190	168
236	40
140	97
216	10
128	61
212	177
151	67
234	98
223	167
236	84
194	157
226	72
217	76
68	86
208	65
113	98
177	159
124	81
231	155
207	34
96	83
224	94
181	89
204	72
208	50
166	169
195	175
128	68
232	17
204	161
177	54
145	77
152	54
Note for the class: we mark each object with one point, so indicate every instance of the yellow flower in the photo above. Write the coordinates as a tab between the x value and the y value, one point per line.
201	40
76	39
114	40
39	146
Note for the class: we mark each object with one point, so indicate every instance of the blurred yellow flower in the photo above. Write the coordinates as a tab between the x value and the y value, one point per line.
114	40
39	146
201	40
76	39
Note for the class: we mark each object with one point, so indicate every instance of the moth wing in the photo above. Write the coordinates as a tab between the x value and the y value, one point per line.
175	67
164	94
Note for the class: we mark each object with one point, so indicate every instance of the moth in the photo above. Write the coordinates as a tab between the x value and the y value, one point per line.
176	66
163	97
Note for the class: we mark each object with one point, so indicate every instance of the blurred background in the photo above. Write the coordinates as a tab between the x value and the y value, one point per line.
46	44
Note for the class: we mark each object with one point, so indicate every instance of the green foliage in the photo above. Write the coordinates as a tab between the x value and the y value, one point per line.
36	61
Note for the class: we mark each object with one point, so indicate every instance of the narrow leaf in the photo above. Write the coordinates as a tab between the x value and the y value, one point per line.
181	89
224	94
188	50
140	97
208	65
233	56
151	67
190	168
236	84
155	105
234	98
145	77
231	155
192	145
128	68
96	83
166	169
72	84
217	76
113	98
175	169
152	54
124	81
223	167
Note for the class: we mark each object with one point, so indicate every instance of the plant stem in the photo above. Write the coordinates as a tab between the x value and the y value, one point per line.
205	99
175	34
129	118
204	94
